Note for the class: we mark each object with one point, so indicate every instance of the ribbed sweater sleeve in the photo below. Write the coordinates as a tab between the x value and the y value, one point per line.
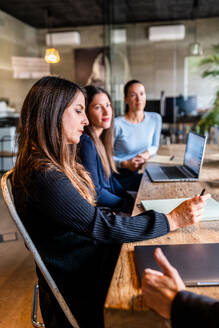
62	203
192	310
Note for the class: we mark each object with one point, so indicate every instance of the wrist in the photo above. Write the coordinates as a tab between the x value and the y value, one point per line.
124	164
146	154
172	222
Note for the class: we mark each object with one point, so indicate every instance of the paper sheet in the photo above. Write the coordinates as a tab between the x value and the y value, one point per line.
213	156
165	160
211	210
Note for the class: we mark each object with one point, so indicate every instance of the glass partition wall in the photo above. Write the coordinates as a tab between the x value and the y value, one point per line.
169	69
118	71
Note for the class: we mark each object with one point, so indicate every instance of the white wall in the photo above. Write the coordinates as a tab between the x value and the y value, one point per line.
90	37
159	65
16	39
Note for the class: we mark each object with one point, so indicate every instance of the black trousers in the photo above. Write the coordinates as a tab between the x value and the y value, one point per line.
88	306
128	179
90	315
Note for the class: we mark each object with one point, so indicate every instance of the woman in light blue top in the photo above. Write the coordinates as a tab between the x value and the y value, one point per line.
137	135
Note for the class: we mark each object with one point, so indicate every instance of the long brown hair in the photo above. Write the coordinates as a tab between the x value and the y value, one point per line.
103	144
40	141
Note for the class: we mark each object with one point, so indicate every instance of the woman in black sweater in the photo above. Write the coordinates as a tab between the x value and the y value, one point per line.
55	199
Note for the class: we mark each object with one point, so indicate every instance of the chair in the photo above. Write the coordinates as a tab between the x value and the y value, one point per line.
8	197
34	320
7	153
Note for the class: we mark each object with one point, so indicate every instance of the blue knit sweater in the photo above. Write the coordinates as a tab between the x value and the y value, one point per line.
133	139
109	191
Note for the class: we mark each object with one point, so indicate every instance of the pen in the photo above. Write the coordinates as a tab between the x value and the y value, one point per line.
200	283
202	192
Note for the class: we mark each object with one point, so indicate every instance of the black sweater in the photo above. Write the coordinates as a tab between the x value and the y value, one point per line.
79	243
192	310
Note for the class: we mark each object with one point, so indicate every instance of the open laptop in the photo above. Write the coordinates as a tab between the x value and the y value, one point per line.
191	168
197	264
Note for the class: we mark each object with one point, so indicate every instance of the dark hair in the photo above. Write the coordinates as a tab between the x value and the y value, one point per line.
104	144
92	90
40	141
126	88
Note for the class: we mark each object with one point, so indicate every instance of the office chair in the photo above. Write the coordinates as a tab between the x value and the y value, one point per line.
8	198
7	156
169	117
34	320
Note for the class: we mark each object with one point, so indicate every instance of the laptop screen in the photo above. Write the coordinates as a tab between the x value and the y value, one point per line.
194	152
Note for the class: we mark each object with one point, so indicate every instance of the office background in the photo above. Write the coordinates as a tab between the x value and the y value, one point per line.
122	27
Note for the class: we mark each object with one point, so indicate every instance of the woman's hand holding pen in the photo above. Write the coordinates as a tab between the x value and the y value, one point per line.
188	212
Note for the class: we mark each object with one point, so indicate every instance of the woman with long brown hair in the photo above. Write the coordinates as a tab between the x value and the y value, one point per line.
96	151
54	197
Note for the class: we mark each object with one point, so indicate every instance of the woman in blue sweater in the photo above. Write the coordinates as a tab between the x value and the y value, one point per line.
137	135
96	151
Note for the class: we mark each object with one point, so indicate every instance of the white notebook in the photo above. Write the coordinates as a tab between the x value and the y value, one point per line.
166	159
211	210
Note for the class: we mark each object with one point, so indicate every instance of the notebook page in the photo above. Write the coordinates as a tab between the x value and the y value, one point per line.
211	210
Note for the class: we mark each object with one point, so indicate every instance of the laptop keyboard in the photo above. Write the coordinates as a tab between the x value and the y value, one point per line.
172	172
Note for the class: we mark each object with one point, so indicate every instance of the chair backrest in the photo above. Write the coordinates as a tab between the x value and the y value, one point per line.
9	200
170	110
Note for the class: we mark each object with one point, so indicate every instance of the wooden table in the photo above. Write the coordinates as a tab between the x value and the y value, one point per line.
124	306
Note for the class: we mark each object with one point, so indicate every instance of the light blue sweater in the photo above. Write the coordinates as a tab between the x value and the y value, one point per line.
132	139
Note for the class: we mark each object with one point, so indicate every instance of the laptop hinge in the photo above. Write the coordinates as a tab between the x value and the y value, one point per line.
186	171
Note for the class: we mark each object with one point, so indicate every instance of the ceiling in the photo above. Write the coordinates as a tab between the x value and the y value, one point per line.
71	13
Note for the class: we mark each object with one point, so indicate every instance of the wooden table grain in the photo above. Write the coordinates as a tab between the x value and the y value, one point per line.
124	306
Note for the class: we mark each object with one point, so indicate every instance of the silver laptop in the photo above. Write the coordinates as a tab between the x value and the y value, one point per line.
197	264
191	168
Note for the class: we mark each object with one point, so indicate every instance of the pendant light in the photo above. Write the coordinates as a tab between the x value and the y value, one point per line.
195	48
51	54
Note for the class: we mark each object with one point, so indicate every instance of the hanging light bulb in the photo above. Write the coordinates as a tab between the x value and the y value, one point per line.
195	48
52	56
